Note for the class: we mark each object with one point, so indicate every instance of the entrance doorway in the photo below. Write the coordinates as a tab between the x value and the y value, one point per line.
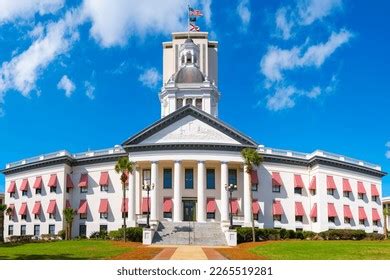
189	210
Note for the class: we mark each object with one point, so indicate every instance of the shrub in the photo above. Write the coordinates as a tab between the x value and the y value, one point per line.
61	234
244	234
132	234
309	235
283	233
375	236
99	235
343	234
291	234
299	235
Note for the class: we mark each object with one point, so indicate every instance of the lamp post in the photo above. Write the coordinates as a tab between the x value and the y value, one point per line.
147	186
231	188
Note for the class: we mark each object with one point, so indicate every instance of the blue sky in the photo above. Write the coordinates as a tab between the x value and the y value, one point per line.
300	75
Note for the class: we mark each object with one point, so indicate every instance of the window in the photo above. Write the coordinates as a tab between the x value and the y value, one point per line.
314	219
376	223
103	228
179	103
10	217
83	190
330	191
36	216
51	215
167	180
36	230
232	180
83	216
313	192
299	219
277	218
167	215
331	219
23	217
298	190
361	222
82	230
299	229
12	194
276	189
38	191
210	174
104	188
189	179
346	194
10	230
347	220
374	198
361	195
53	189
104	216
24	193
255	217
198	103
189	101
210	215
23	230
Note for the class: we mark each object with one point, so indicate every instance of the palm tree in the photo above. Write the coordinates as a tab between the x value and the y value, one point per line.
69	214
3	208
251	158
124	167
386	214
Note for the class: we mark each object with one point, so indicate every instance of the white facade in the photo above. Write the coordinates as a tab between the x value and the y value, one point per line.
191	156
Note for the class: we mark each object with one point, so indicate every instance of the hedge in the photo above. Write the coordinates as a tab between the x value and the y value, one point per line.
132	234
244	234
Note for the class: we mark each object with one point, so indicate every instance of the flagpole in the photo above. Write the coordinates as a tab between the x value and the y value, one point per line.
188	21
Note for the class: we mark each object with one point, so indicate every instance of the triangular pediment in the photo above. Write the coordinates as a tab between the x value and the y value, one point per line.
189	125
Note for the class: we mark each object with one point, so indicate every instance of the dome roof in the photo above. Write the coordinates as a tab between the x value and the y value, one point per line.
189	74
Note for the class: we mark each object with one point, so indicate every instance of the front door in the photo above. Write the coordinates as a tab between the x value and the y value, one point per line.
189	210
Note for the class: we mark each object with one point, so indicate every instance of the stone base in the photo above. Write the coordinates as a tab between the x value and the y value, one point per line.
231	237
147	236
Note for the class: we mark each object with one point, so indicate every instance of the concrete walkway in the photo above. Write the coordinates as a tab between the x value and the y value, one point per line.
189	253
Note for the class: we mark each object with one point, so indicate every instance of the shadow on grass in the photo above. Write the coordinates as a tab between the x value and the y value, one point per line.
41	257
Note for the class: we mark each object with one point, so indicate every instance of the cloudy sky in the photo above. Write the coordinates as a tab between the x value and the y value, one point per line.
308	74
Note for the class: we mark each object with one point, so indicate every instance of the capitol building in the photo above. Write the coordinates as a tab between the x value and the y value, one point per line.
189	156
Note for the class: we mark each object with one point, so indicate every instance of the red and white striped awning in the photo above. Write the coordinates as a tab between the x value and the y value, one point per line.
346	186
361	188
24	186
83	208
255	206
167	204
145	203
235	206
347	212
375	215
330	184
38	182
83	183
313	184
254	177
374	190
362	214
276	179
12	187
104	179
277	208
52	206
23	209
331	210
298	182
52	181
211	206
69	182
103	207
299	210
313	212
37	208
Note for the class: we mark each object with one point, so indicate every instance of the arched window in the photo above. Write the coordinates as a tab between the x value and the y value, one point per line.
189	101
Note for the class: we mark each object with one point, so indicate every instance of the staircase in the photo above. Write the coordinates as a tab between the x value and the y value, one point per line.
189	233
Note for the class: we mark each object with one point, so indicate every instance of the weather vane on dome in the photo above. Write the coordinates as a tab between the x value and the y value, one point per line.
193	15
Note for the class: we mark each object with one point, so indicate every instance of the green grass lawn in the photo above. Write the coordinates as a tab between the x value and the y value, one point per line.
62	250
324	250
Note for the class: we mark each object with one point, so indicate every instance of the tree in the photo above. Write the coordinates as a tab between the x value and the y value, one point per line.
124	167
3	208
251	159
69	214
386	214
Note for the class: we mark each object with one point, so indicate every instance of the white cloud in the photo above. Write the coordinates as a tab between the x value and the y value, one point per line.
206	9
312	10
244	13
67	85
22	71
113	24
284	24
89	90
13	10
277	60
150	78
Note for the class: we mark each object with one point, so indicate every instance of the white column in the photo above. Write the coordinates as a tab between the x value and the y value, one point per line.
224	194
131	205
153	195
177	211
138	190
247	198
201	213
